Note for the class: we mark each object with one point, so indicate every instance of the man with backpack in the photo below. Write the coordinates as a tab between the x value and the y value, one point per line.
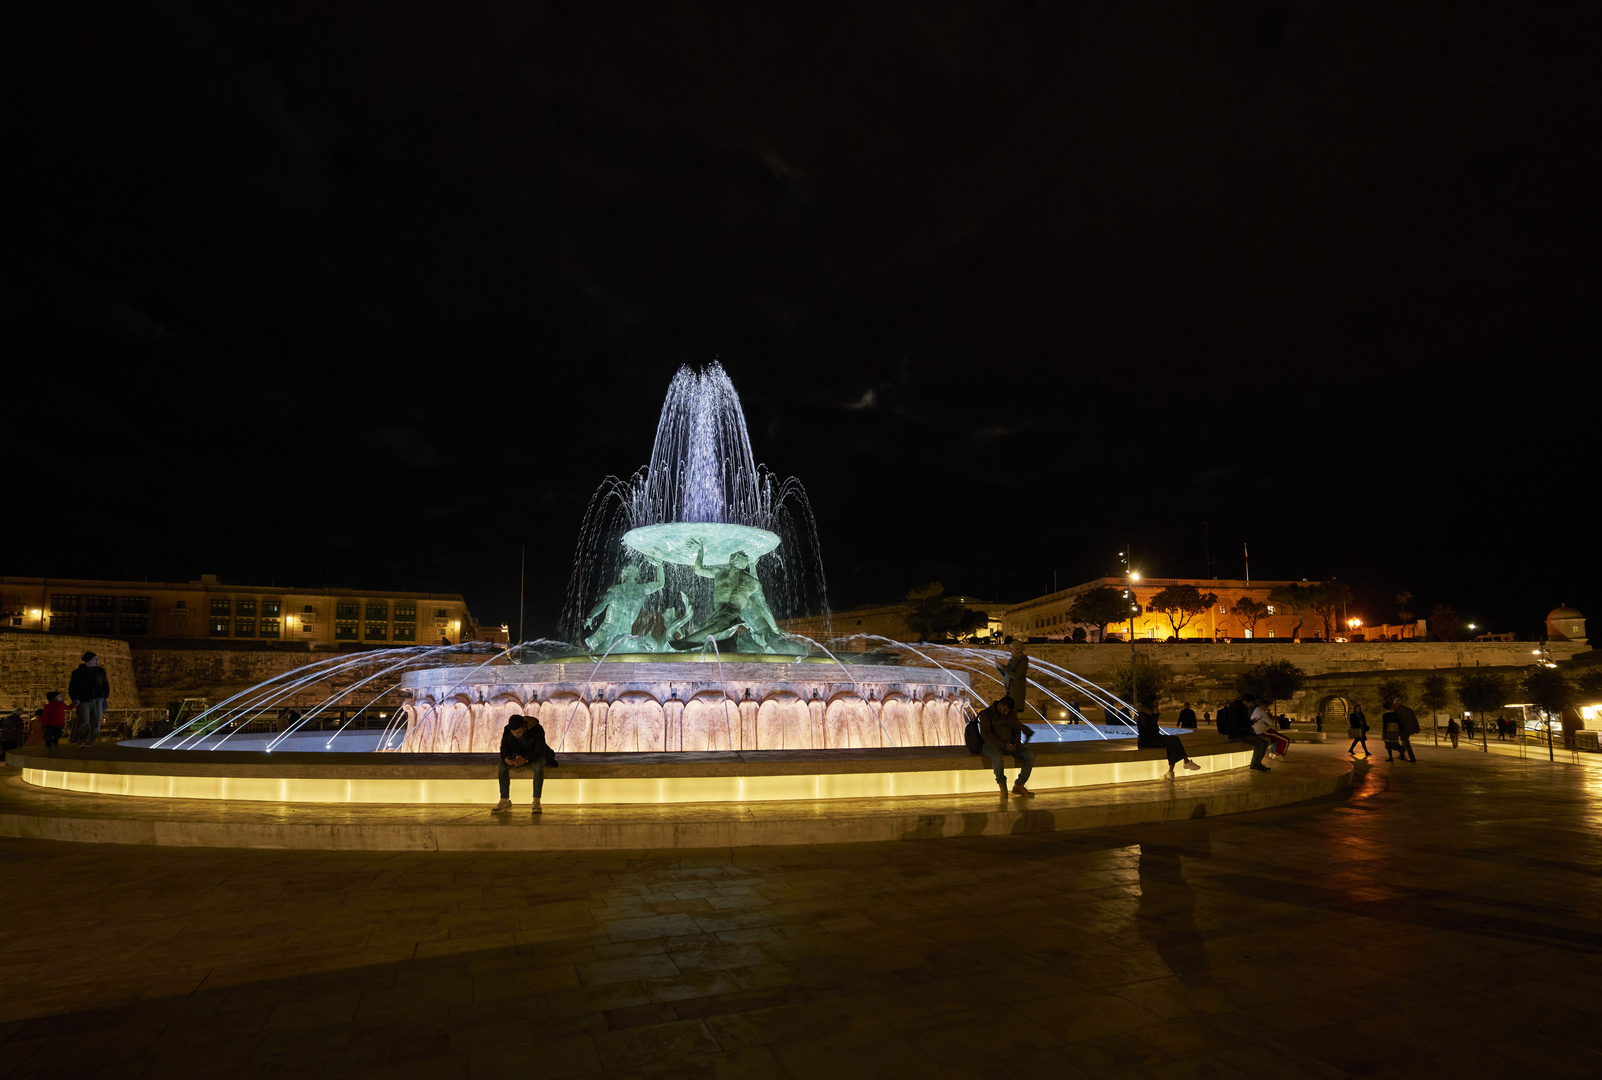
1235	724
1003	734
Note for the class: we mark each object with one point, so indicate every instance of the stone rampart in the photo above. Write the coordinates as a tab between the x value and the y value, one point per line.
31	664
1204	673
171	674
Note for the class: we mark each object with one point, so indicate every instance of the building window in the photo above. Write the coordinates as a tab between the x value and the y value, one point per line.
441	613
1222	610
136	605
181	604
405	631
377	631
100	603
269	628
135	624
1272	632
63	604
219	626
220	605
245	607
271	608
244	628
309	610
345	609
63	624
344	629
97	624
377	612
405	611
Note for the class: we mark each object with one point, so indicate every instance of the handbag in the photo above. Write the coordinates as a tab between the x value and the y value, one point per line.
1354	733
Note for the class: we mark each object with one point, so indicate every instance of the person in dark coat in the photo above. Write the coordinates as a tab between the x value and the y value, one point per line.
1187	716
1452	730
1016	673
1003	734
1409	722
523	746
89	691
1149	736
1357	731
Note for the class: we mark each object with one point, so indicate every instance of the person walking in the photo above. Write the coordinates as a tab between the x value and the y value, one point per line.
1016	674
53	720
1409	721
89	690
1149	736
523	746
1357	731
1391	732
1452	730
1003	735
1187	716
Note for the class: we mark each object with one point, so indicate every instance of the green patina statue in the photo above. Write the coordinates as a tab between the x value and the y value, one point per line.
737	605
621	606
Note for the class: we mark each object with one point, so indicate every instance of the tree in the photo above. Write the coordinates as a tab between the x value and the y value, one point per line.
1445	624
1589	681
1151	678
1294	599
1079	635
1327	598
1181	604
1272	681
1404	613
1435	695
1248	611
1548	688
1481	692
1392	691
1098	607
936	615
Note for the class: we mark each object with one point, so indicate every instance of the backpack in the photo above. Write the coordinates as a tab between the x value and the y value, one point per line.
970	735
1232	719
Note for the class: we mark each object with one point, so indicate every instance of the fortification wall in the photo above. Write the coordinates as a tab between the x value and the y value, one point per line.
31	664
170	674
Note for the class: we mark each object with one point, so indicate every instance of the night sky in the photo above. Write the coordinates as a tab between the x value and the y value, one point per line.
371	295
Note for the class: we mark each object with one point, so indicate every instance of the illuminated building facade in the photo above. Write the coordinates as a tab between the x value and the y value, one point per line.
144	611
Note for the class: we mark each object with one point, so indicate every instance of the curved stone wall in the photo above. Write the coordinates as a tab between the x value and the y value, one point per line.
637	708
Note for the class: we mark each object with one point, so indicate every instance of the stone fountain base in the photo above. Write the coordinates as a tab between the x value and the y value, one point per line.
634	706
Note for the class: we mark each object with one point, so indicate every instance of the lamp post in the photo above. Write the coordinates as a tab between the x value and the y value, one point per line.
1129	593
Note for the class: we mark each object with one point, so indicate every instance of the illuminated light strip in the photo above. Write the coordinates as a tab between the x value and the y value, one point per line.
594	791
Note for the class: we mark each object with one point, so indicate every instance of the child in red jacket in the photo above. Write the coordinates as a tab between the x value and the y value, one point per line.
54	718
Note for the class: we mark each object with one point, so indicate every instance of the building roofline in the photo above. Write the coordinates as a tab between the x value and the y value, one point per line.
207	586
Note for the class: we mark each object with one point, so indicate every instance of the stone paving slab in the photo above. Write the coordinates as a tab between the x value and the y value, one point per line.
1439	920
35	813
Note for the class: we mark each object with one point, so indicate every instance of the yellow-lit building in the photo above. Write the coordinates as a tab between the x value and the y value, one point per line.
1047	616
149	612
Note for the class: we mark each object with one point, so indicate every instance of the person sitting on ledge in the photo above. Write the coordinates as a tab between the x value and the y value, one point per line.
1149	736
1235	724
522	747
1003	735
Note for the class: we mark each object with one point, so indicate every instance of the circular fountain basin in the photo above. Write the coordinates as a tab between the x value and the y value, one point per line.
680	541
714	704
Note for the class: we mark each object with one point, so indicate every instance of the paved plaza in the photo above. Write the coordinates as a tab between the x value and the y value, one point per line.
1441	919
